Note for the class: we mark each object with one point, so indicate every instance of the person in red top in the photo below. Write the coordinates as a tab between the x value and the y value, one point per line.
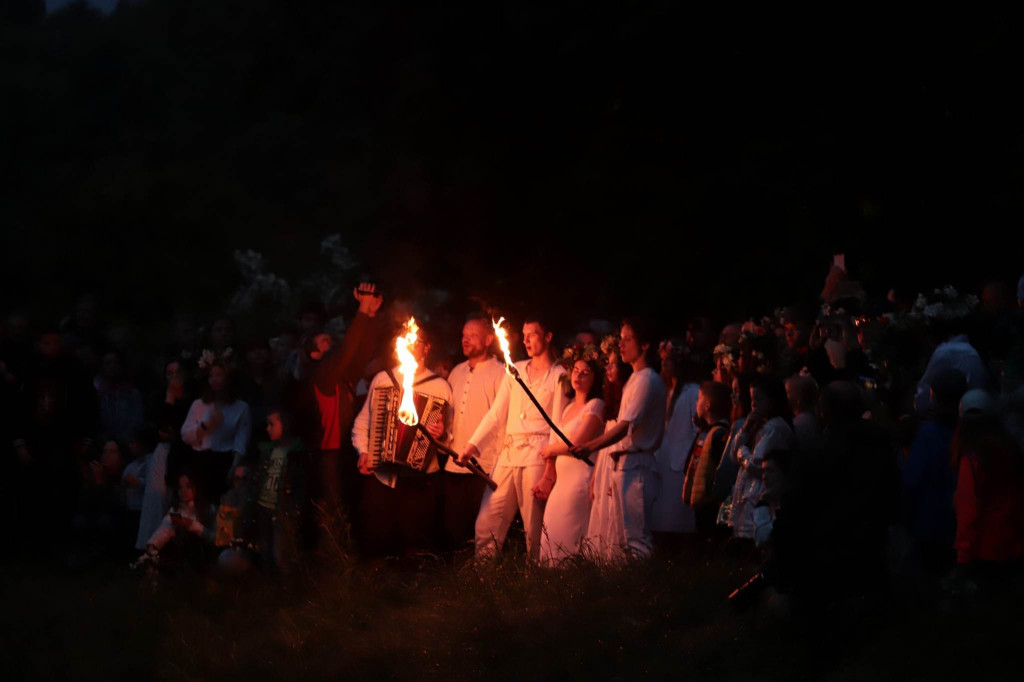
989	498
334	377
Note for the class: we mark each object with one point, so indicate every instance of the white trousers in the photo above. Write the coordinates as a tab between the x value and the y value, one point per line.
633	492
498	509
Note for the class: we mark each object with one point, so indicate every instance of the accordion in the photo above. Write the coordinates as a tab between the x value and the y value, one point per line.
391	441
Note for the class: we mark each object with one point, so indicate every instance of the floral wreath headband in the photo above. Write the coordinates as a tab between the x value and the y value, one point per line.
589	353
609	346
730	355
209	358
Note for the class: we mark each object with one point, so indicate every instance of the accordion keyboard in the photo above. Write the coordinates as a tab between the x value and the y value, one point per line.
391	441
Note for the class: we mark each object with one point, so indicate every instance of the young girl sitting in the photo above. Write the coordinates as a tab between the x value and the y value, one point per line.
187	531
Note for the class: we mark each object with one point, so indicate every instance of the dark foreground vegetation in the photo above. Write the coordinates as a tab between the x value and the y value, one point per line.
659	620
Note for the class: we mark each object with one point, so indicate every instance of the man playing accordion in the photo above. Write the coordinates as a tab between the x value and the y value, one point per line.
401	502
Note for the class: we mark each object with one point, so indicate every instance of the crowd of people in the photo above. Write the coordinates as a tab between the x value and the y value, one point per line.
824	439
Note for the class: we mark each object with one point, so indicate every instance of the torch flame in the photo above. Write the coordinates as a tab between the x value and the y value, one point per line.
502	335
407	368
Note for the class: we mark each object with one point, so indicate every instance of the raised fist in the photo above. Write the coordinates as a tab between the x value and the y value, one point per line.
369	299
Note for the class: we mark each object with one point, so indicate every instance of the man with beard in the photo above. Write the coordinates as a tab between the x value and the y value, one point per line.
475	384
520	466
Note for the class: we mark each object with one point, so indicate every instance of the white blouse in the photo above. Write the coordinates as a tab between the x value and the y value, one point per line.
232	435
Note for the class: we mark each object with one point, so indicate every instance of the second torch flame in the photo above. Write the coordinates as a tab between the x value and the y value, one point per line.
502	335
407	367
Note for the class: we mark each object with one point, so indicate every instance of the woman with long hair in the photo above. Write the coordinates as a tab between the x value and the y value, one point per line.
188	527
670	517
766	437
604	529
729	467
217	429
567	512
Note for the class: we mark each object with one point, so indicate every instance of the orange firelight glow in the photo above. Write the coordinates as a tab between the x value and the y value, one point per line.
407	367
502	335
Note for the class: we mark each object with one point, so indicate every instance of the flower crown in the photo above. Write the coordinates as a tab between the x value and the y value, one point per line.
209	358
588	353
728	355
609	346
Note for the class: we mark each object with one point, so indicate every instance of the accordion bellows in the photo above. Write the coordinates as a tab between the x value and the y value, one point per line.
391	441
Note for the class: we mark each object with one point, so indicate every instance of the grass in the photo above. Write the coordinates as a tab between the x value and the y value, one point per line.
658	619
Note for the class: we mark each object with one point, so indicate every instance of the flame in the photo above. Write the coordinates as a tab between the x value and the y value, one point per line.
502	335
407	367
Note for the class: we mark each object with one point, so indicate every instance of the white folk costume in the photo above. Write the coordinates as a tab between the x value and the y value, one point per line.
670	515
398	510
567	513
427	383
154	496
520	466
631	481
604	529
474	390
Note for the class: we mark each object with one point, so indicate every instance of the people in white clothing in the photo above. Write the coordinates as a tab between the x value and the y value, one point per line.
475	385
520	465
604	529
218	429
670	517
567	512
636	435
398	508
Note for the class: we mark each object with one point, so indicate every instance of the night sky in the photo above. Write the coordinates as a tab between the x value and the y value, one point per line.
592	160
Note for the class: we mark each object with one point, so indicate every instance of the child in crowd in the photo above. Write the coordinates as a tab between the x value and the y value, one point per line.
187	531
279	491
234	525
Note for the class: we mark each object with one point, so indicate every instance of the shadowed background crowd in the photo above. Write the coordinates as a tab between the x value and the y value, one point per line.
833	444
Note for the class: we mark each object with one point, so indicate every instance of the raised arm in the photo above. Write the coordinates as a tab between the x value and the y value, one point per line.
192	431
608	438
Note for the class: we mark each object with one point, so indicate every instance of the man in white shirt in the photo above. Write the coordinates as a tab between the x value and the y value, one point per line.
520	466
475	385
636	435
399	506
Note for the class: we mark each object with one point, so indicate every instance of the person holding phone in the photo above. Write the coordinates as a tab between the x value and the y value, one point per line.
189	520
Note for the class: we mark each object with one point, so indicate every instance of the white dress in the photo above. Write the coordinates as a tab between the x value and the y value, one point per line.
154	496
567	513
605	529
669	514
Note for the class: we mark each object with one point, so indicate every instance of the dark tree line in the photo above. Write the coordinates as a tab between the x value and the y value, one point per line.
514	152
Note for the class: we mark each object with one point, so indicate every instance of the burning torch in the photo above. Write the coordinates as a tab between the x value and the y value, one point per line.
510	367
407	367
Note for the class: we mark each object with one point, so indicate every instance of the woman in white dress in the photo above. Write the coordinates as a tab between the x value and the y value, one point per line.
605	529
567	511
670	517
